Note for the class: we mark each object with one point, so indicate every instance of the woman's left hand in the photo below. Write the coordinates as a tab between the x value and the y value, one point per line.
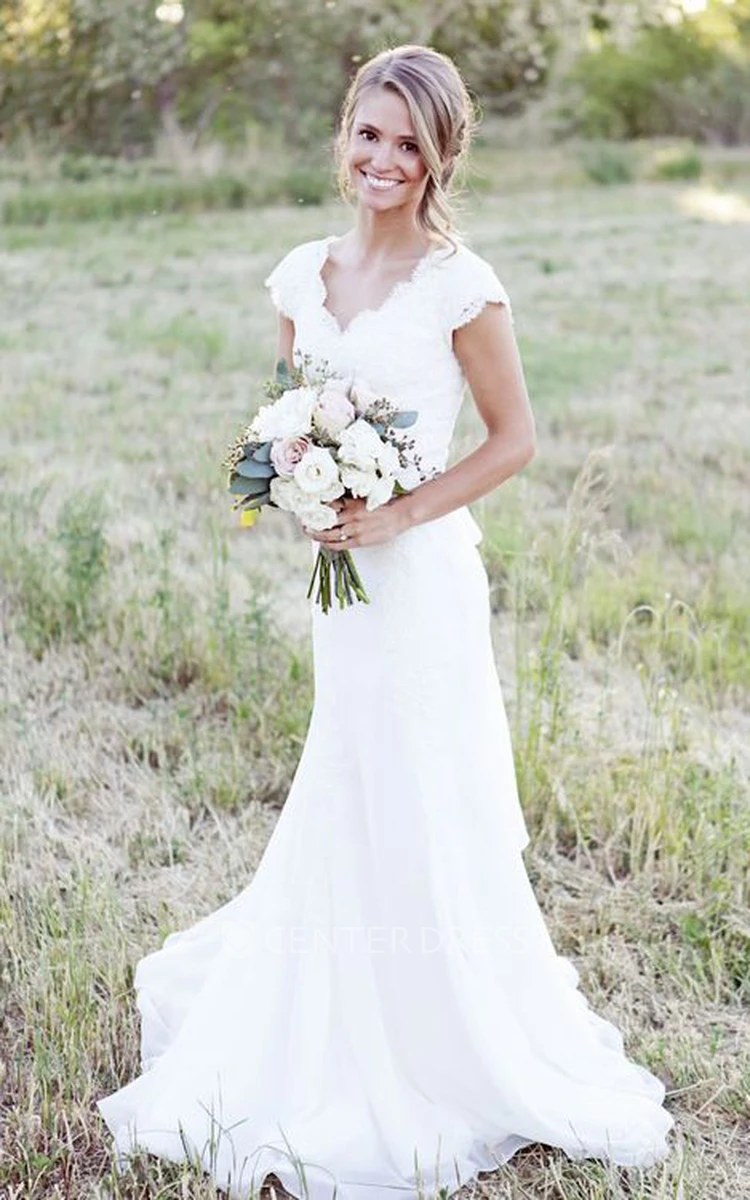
362	528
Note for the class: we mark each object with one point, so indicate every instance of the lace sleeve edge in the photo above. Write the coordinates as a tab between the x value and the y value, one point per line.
277	296
472	308
287	280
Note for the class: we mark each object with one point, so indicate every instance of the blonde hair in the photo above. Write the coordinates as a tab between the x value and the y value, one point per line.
443	116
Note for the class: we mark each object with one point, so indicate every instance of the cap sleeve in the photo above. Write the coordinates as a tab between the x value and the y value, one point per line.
287	280
472	284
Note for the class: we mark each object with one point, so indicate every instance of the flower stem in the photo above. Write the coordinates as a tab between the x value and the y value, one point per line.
316	568
347	585
359	588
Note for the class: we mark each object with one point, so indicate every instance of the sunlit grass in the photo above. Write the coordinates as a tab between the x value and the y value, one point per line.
712	205
157	673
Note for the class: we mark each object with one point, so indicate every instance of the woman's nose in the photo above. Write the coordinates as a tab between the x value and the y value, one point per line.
382	157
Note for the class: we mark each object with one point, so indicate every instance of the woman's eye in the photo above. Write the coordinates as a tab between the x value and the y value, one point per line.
412	147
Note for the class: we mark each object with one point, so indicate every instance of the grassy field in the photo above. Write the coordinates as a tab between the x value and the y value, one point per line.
156	670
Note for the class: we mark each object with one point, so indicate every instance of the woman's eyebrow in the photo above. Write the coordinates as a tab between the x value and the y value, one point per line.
402	137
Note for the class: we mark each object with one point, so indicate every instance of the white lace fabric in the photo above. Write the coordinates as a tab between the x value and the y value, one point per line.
381	1008
404	346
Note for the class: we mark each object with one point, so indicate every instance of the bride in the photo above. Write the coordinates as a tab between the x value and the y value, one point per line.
381	1011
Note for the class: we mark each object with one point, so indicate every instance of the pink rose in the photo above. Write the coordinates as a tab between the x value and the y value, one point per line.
287	452
363	396
333	412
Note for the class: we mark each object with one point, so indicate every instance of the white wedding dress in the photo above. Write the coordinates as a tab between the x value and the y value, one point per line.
381	1011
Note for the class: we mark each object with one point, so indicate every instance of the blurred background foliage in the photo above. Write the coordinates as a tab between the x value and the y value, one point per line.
220	104
686	77
100	76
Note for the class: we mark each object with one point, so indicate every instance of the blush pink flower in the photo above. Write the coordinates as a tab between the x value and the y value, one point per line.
287	452
363	396
333	412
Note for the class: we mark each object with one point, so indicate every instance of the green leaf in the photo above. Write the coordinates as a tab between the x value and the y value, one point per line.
262	453
250	468
283	374
249	487
255	501
378	426
404	419
241	486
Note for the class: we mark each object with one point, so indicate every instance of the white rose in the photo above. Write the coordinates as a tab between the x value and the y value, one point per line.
376	488
317	474
360	445
382	491
318	516
309	510
388	459
287	494
359	483
288	417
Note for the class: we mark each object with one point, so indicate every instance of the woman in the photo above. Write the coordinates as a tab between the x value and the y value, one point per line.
381	1011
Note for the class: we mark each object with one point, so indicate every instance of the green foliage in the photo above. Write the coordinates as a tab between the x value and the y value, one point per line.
94	71
56	581
607	162
714	107
622	86
110	197
107	76
305	185
83	168
675	162
691	78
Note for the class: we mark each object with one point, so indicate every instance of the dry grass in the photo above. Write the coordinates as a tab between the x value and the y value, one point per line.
156	681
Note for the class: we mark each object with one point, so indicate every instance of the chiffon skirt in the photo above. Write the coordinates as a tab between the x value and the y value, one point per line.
381	1011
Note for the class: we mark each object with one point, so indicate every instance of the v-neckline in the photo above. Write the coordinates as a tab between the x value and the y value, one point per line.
401	285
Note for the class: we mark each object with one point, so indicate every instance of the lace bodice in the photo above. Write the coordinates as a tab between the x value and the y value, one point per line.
404	346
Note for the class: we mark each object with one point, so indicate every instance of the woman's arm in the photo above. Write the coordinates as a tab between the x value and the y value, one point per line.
487	350
284	340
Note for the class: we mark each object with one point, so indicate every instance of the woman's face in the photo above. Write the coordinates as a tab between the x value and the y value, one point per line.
386	168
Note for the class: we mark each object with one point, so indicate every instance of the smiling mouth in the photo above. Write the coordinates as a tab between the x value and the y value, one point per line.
376	181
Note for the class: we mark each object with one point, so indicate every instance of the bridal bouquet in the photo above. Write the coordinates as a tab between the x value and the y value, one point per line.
319	439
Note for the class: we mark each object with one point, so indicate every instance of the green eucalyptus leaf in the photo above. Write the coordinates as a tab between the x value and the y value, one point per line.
403	420
250	468
241	486
262	453
256	501
283	374
248	487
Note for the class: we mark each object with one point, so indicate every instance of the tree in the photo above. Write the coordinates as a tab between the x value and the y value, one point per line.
102	73
81	68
